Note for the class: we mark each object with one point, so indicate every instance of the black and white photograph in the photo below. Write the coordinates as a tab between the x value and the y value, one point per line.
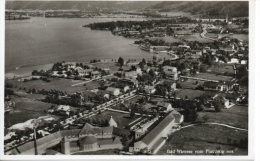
153	78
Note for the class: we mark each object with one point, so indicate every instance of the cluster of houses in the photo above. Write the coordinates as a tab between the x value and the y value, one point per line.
73	70
87	139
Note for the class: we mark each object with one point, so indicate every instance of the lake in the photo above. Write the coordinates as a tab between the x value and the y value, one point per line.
41	40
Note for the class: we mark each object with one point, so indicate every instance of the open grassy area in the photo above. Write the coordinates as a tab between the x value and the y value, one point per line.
212	35
191	94
195	37
111	65
221	68
58	84
202	137
243	37
167	39
25	109
235	116
212	76
191	84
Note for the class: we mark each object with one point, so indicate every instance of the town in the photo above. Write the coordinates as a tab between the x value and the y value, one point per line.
196	81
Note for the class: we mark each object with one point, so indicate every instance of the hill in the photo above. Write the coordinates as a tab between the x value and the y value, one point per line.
211	8
80	5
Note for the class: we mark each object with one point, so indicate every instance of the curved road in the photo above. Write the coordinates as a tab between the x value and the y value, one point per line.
203	34
214	123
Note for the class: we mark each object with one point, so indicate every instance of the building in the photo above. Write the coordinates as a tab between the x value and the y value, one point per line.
243	62
143	128
164	106
149	89
89	138
113	91
122	86
234	61
131	75
112	122
83	72
171	84
219	86
171	71
156	138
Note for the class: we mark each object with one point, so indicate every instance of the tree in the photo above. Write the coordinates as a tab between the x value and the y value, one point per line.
242	75
133	67
34	72
203	68
120	61
162	90
152	73
217	105
132	112
200	107
143	61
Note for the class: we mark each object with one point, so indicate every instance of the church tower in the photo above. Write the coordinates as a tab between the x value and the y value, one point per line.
65	146
112	122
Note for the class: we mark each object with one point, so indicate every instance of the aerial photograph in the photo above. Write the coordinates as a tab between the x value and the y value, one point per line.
126	78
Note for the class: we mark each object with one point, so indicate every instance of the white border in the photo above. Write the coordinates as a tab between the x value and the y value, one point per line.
253	108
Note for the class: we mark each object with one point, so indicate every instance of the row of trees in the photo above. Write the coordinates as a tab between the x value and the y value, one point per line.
138	24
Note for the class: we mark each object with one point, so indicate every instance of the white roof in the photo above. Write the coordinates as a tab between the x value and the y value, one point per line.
112	89
63	108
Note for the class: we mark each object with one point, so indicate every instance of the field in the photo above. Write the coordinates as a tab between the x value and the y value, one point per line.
167	39
191	83
215	77
243	37
211	137
195	37
58	84
25	109
191	94
212	35
235	116
111	65
221	69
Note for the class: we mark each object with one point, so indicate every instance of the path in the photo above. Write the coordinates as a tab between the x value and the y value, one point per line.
90	80
214	123
204	33
196	78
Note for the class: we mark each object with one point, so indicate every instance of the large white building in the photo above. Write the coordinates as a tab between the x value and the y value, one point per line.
156	138
113	91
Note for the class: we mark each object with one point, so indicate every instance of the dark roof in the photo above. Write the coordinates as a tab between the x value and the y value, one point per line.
70	133
89	129
88	140
121	132
210	84
52	152
163	124
163	104
43	140
115	140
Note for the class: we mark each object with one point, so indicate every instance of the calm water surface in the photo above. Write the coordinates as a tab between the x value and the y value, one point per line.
49	40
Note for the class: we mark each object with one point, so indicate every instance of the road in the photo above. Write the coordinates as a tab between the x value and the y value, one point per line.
103	107
90	80
196	78
203	34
